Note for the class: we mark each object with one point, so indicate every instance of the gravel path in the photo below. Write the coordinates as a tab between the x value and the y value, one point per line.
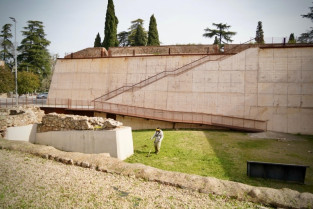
27	181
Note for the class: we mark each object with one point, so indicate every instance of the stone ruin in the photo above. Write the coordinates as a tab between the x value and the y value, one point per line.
62	122
26	115
19	116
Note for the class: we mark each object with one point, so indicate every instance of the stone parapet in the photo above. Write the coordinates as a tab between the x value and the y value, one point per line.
93	52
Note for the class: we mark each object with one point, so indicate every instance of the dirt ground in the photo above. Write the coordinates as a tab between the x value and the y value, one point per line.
28	181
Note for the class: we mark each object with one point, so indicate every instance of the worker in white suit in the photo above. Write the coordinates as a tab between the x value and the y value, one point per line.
158	135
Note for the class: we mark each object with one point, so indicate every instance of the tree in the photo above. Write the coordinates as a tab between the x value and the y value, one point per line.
308	36
97	42
123	38
216	40
6	45
27	82
221	31
292	39
140	37
153	35
132	32
6	80
259	36
110	28
34	56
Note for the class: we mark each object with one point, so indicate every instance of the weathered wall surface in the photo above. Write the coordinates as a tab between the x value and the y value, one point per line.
273	84
268	84
87	79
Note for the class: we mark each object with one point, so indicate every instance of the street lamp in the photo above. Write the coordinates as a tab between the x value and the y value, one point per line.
15	54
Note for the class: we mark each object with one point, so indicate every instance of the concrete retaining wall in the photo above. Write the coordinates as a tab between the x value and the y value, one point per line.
117	142
22	133
272	84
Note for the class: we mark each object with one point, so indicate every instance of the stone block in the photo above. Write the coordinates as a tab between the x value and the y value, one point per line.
307	101
294	100
251	88
266	100
280	88
294	88
266	88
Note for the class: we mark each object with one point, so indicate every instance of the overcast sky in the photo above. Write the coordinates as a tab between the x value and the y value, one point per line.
72	25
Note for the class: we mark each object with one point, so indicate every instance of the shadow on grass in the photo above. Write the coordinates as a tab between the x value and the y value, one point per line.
222	154
234	149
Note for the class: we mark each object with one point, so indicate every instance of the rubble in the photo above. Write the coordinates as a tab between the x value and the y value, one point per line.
20	116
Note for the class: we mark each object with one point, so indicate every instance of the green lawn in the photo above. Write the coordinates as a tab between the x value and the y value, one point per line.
223	155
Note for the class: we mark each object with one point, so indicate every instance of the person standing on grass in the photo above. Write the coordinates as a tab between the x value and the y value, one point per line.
158	135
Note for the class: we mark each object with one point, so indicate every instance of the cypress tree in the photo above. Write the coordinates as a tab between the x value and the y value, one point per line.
6	45
140	38
259	36
292	39
216	40
153	35
97	42
110	28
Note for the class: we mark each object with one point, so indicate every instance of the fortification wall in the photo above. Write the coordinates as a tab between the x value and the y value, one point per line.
87	79
273	84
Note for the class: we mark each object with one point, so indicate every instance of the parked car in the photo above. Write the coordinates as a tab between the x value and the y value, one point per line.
42	96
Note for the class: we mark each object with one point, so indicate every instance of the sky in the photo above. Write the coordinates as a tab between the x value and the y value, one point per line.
72	25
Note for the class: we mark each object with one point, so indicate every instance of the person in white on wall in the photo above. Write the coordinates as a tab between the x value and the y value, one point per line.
158	135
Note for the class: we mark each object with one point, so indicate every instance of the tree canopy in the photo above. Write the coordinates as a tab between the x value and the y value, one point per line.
308	36
153	35
97	42
110	28
6	80
221	31
6	45
137	25
259	36
34	56
292	39
123	38
140	36
27	82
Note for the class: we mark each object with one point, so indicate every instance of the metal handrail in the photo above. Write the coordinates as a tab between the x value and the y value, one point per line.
183	117
160	75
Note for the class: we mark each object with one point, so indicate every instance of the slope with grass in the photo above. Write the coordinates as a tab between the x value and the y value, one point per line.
224	155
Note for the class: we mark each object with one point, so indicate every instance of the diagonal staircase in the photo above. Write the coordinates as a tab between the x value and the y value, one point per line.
175	72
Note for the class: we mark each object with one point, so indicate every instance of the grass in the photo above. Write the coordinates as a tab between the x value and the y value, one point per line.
223	155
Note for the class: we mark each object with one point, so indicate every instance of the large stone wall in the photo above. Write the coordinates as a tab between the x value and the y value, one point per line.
272	84
87	79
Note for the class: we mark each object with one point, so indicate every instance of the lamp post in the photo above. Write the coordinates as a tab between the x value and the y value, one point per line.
15	55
